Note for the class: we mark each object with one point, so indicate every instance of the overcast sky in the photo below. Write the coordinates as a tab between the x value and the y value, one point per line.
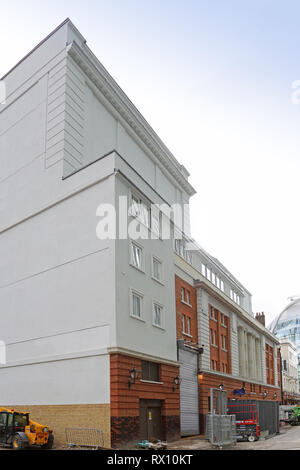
214	79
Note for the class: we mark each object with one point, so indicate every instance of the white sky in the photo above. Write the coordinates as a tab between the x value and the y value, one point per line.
213	78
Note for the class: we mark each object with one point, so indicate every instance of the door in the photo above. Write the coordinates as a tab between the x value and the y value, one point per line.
150	419
189	398
3	427
154	423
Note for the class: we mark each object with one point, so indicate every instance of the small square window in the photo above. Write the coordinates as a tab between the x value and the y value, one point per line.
150	371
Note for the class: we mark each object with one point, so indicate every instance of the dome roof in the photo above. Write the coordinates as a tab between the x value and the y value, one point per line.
291	312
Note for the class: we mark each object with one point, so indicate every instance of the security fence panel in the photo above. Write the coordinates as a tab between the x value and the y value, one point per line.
268	413
268	416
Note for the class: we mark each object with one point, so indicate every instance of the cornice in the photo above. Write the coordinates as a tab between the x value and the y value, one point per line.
117	98
141	355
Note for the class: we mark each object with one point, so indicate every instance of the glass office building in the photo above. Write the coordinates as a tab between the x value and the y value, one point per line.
287	325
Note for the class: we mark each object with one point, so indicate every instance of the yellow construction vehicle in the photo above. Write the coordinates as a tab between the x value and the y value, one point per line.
18	431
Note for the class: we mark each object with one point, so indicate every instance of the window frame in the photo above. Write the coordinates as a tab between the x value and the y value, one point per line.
158	304
133	244
149	378
160	262
141	202
134	292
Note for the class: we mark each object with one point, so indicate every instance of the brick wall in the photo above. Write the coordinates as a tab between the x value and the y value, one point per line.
220	341
210	380
125	402
60	417
188	311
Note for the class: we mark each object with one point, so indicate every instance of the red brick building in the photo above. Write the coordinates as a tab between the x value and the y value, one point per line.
147	406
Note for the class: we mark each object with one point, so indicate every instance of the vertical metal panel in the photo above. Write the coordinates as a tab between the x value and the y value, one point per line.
189	400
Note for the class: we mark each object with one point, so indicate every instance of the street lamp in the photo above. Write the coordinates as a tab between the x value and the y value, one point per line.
177	382
133	375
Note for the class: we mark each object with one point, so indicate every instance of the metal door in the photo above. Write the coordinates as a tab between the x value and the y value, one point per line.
189	399
150	419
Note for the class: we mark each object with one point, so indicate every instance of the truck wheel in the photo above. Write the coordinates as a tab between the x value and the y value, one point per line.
18	443
49	444
251	438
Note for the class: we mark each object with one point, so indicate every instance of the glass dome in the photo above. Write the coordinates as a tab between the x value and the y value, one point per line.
287	325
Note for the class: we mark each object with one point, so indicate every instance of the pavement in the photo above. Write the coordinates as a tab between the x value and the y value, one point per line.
287	439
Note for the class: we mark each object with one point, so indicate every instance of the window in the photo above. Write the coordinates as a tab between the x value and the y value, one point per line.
136	305
157	269
183	323
158	315
150	371
213	314
136	256
213	278
3	418
140	210
235	297
188	297
135	206
213	337
203	270
156	222
188	330
222	286
218	282
186	325
183	294
208	273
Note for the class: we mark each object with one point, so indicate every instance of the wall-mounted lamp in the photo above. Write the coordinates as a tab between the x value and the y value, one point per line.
200	376
221	387
275	396
265	394
177	382
133	375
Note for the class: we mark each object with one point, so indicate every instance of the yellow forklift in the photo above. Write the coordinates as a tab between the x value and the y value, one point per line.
18	431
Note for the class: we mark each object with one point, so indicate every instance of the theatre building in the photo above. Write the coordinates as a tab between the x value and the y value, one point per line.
229	348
